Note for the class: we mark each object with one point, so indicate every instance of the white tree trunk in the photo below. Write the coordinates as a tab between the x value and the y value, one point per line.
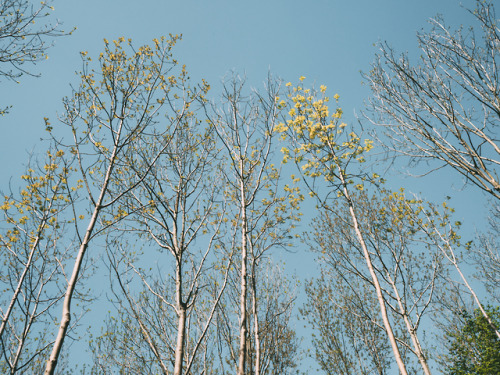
243	296
383	308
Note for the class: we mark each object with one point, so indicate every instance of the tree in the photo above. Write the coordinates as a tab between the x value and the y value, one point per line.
141	335
25	36
321	148
476	348
487	254
182	201
445	109
443	234
130	96
263	212
271	338
34	250
407	262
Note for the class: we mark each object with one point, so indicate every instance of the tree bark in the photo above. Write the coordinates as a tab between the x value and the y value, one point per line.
181	325
243	293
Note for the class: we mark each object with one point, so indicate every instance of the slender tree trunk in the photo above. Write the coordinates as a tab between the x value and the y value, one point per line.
66	313
181	330
181	325
243	296
478	303
452	258
383	308
255	322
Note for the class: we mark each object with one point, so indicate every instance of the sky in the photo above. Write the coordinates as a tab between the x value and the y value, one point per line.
328	41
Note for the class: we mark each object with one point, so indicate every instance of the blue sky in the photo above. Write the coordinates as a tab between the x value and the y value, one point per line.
328	41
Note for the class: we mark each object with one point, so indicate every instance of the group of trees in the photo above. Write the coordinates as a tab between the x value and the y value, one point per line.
181	200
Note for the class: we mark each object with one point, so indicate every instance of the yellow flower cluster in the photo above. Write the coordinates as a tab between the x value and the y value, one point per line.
320	142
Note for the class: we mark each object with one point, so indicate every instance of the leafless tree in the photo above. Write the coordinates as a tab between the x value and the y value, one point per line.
26	34
445	237
446	108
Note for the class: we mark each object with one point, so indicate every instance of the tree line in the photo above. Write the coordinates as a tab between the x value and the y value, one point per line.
181	198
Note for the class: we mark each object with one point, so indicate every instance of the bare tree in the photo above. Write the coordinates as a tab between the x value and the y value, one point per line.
128	98
446	108
445	237
25	36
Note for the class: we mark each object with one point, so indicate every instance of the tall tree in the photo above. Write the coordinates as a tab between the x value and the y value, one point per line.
271	337
487	254
263	212
443	233
321	147
130	96
446	108
346	340
408	262
183	206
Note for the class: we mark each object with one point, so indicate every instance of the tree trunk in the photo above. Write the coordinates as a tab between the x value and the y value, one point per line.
411	331
181	325
383	308
243	295
66	313
255	322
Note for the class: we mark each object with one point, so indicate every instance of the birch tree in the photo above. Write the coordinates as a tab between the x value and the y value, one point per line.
131	95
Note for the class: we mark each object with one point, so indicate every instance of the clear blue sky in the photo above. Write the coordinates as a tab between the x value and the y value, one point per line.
328	41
